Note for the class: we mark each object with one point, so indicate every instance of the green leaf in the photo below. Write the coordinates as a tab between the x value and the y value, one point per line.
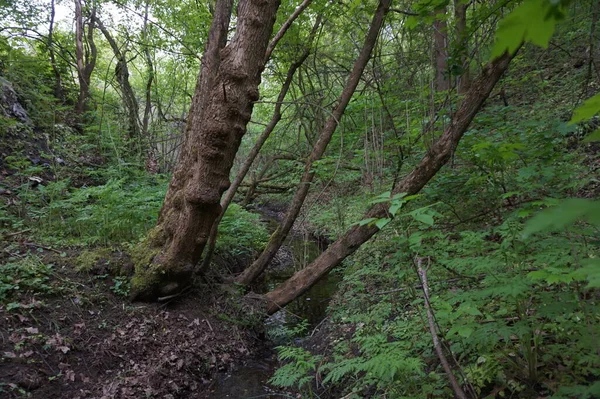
533	21
590	107
592	137
423	218
380	223
563	215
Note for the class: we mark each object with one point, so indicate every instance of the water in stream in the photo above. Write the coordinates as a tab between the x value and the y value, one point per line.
250	380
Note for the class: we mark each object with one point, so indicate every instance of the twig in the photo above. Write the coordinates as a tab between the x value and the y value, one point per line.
209	326
43	247
318	325
16	233
458	391
166	298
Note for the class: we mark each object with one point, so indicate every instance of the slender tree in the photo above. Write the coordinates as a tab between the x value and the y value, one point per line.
436	157
85	56
277	238
129	99
440	50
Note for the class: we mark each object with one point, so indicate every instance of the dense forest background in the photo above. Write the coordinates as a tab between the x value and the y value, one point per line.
414	198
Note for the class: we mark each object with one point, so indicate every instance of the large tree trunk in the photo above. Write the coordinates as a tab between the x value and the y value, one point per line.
129	99
277	238
430	164
440	50
239	178
222	106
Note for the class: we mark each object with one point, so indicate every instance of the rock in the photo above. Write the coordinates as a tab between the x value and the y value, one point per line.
10	107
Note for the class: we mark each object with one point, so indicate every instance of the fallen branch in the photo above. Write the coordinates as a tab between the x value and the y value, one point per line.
458	391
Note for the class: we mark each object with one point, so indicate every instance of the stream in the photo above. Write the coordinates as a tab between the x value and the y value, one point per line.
250	380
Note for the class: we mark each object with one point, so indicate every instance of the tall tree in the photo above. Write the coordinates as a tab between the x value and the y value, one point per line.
277	115
277	238
462	46
127	93
222	106
436	157
85	55
440	50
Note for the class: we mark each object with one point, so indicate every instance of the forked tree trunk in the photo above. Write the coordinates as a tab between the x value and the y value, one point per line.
86	60
439	153
277	114
277	238
226	91
129	99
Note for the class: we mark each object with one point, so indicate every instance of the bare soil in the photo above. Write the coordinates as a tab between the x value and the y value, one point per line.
86	341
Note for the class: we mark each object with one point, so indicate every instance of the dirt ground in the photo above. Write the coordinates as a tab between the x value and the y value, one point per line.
84	340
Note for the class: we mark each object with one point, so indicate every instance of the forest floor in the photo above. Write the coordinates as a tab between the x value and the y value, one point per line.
69	334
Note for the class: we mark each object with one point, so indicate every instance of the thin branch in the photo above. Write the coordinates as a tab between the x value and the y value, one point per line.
409	13
286	25
458	391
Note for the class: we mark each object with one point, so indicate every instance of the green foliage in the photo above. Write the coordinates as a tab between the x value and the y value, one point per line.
120	211
532	21
241	232
25	276
298	370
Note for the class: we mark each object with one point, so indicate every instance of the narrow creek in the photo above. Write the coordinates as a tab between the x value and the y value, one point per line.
250	380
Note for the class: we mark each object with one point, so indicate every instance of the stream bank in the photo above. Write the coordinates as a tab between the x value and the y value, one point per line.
304	314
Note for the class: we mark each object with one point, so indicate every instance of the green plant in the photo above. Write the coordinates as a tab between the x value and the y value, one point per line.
28	275
297	371
120	286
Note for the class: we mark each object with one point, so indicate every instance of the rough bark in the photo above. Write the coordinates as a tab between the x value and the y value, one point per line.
129	99
440	50
86	60
277	238
437	156
222	106
277	114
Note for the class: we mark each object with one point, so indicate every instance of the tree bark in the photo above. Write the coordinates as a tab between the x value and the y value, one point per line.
440	50
129	99
239	178
58	89
150	80
460	14
222	106
438	155
277	238
86	60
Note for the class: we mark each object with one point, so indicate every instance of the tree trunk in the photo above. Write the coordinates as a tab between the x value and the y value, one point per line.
440	50
58	89
86	60
239	178
150	81
277	238
222	106
129	100
439	153
460	14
